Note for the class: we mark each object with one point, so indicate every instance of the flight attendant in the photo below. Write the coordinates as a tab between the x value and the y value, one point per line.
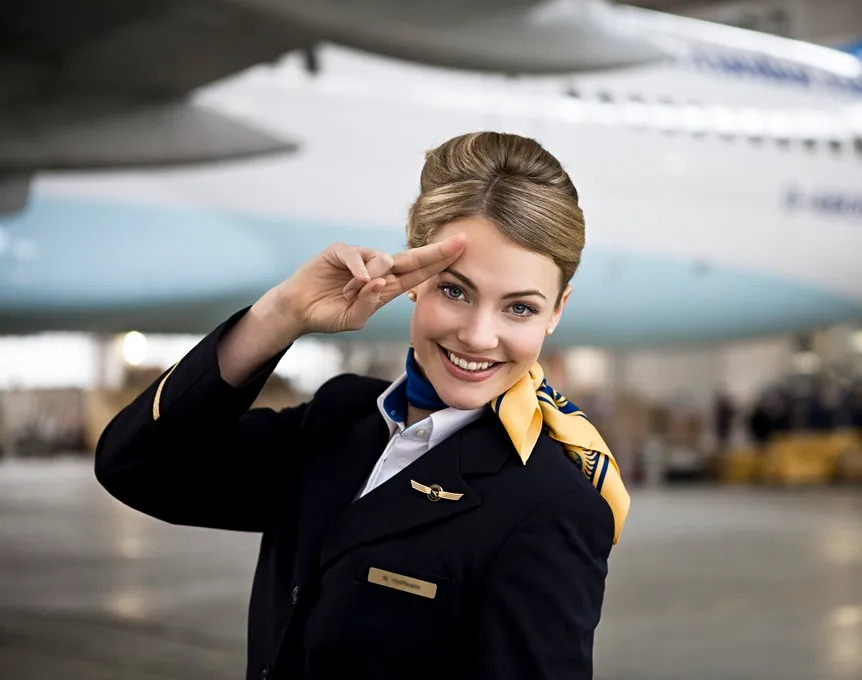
455	523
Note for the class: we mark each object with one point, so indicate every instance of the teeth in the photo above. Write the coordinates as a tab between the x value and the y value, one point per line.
469	365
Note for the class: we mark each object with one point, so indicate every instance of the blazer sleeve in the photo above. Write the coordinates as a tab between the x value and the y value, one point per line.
189	451
543	597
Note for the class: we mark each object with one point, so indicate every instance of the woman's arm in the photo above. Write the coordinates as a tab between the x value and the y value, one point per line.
544	593
188	451
265	331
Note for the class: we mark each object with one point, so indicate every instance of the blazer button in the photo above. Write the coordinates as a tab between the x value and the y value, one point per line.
294	595
264	674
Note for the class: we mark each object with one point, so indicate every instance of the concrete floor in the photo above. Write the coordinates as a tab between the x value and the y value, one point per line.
714	584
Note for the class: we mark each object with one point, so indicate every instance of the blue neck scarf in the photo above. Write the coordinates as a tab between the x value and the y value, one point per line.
420	392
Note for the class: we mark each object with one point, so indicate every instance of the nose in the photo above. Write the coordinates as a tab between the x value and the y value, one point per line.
478	334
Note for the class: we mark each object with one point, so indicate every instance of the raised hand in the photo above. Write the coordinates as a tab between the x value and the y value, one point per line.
342	287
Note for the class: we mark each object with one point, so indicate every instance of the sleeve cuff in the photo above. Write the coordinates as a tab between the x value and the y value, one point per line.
194	384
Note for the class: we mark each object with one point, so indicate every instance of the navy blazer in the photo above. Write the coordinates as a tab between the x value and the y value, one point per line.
517	565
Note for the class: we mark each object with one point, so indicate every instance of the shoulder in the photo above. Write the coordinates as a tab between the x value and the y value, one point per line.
351	387
554	488
345	394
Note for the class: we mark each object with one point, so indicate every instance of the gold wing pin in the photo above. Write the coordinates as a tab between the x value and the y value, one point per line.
435	492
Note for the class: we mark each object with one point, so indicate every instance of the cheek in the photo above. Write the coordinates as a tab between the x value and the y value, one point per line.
525	345
433	317
423	324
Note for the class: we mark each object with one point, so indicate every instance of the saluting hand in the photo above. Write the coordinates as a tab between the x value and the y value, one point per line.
342	287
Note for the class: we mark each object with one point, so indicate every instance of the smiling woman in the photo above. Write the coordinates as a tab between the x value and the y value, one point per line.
495	309
525	234
463	513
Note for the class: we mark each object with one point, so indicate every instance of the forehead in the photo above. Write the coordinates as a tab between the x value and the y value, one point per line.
493	262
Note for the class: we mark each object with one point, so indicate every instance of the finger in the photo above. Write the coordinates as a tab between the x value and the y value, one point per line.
380	264
351	288
416	265
412	278
367	302
377	266
352	259
393	288
433	254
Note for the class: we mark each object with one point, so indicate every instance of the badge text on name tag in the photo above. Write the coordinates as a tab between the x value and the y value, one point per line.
405	583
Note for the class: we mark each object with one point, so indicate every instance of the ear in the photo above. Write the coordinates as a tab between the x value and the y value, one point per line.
558	312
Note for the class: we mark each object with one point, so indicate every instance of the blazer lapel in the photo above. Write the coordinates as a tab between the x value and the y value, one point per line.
486	447
396	507
332	478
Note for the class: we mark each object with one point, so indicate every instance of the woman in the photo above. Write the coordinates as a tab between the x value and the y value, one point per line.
456	522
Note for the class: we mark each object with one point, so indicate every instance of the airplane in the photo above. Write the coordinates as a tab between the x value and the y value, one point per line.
722	193
106	83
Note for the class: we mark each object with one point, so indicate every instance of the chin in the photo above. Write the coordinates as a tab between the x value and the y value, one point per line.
465	402
465	396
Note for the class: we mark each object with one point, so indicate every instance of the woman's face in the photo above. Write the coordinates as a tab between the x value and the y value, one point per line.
478	327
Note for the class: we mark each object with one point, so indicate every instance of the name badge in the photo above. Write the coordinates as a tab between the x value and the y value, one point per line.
403	583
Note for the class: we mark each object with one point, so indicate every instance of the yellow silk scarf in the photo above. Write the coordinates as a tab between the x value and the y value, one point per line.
531	403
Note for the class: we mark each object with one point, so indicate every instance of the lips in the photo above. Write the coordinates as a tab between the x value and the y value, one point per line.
464	374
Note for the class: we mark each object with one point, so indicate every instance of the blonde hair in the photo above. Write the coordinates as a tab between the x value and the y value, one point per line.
511	181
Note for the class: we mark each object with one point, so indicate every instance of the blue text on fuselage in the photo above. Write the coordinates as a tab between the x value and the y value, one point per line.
823	202
762	66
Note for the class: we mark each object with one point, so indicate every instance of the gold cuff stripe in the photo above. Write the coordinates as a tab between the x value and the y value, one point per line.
159	392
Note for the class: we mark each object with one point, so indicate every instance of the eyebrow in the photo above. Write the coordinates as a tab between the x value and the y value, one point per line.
513	294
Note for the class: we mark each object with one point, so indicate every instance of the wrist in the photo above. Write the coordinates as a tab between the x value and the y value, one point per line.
277	315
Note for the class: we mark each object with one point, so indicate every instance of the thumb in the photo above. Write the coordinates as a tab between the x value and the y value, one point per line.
366	303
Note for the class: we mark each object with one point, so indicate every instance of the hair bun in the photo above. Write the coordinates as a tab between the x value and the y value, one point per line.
510	180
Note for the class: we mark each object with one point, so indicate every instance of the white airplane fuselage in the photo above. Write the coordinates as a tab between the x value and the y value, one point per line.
722	193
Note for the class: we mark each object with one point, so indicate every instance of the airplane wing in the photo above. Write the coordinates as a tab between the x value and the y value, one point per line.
166	48
134	48
120	69
102	83
504	36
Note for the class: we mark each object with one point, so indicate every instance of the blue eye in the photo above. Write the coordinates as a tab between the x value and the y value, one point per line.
522	309
451	291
